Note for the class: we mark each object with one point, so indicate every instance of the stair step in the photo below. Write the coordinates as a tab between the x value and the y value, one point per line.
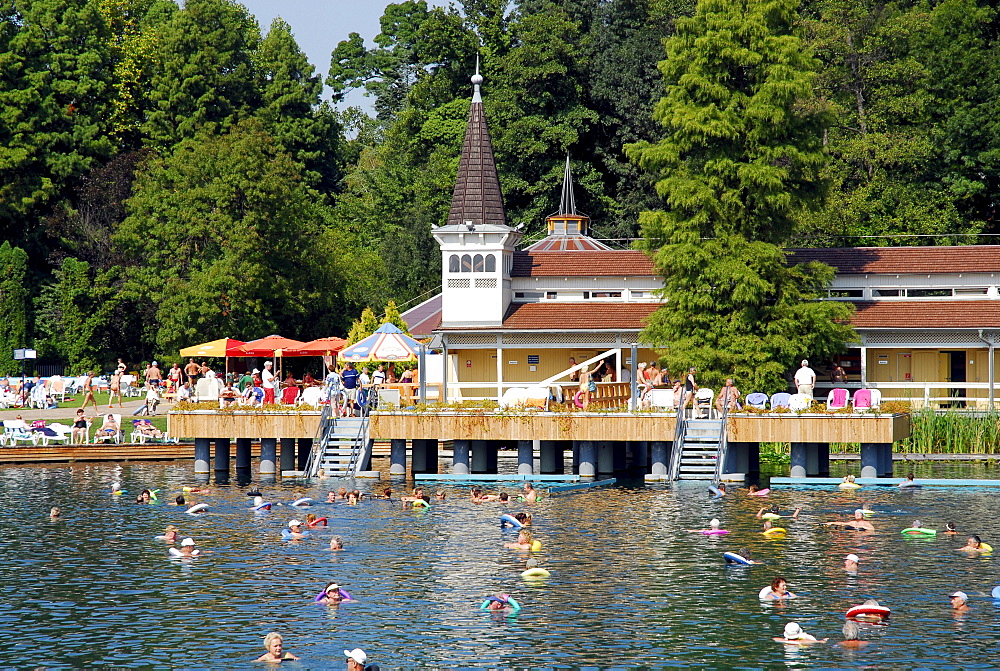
696	476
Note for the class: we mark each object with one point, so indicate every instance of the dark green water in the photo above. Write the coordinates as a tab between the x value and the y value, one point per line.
629	586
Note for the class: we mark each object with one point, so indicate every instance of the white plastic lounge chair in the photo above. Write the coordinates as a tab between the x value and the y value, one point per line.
837	399
797	402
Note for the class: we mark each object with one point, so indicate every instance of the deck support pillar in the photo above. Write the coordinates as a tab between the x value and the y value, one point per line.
268	455
242	454
800	460
823	459
619	456
587	451
870	456
460	462
222	446
640	455
660	454
287	454
305	447
886	469
425	455
526	457
397	456
202	455
550	456
605	456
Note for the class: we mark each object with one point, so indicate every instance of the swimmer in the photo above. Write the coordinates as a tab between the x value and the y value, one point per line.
502	603
54	514
776	511
530	495
342	494
873	617
352	500
973	546
908	482
258	501
336	544
523	518
851	633
386	494
331	497
312	520
418	495
524	541
275	650
851	563
504	497
439	496
722	491
143	497
197	490
913	528
333	595
777	591
294	531
958	601
950	528
859	523
188	549
356	660
752	492
170	535
746	554
179	501
794	635
713	526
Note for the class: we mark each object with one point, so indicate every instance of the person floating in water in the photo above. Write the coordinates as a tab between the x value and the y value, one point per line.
530	495
777	591
851	563
793	635
851	636
524	541
859	523
974	546
958	601
774	510
275	649
294	531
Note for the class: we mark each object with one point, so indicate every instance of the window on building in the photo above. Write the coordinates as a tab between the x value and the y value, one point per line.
491	263
573	226
551	295
453	263
605	294
638	294
885	293
846	293
477	263
528	295
466	263
972	291
928	293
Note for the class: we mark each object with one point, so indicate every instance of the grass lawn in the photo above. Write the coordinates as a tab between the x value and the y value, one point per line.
159	421
77	401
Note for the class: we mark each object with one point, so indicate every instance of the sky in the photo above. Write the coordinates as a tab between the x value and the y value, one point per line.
318	25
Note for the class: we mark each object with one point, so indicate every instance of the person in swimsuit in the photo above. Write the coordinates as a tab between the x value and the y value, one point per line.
859	523
79	433
88	392
690	387
530	495
275	650
524	541
191	370
115	389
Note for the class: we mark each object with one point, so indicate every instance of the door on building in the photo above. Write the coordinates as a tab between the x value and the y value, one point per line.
956	373
904	367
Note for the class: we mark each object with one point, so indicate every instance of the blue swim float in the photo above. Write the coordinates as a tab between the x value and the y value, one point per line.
733	558
506	519
264	506
304	501
505	599
286	534
716	492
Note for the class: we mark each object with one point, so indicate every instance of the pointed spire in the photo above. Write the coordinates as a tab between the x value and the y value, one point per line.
477	196
567	204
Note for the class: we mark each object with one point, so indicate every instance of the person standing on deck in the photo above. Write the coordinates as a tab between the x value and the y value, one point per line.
805	379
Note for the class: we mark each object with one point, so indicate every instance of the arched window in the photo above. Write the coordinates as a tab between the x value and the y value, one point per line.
453	263
477	263
491	263
466	263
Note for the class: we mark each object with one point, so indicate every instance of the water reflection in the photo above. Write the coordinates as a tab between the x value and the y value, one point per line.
627	585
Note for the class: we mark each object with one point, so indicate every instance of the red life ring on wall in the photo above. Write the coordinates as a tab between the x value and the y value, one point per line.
576	399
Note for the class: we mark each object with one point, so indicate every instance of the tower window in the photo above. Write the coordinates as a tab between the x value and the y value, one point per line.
466	263
491	263
453	263
477	263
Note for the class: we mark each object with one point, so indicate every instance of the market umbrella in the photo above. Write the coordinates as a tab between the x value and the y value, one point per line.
388	343
223	347
318	347
272	346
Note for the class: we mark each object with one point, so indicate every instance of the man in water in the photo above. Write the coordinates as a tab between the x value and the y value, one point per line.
851	563
958	601
851	640
859	523
356	659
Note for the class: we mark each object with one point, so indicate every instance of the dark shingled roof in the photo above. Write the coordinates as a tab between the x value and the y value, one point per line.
933	314
904	260
477	197
612	263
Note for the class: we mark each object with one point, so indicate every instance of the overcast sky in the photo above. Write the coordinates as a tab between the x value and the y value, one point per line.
319	25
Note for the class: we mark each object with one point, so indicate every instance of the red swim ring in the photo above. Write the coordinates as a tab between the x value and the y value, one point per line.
576	399
316	522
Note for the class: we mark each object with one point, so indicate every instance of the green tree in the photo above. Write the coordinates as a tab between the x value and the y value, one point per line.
54	106
363	326
393	316
740	160
291	110
204	74
13	305
226	239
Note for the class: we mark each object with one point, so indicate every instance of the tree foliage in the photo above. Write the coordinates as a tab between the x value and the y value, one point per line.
740	160
13	305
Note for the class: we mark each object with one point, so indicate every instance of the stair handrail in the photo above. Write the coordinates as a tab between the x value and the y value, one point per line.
723	447
327	425
678	448
361	438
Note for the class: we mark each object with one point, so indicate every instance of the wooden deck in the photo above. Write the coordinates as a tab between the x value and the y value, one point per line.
36	454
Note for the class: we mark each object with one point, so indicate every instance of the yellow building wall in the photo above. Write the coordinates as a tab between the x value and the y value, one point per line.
929	365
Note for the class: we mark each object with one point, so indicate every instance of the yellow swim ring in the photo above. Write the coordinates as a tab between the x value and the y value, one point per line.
775	531
849	485
536	546
986	547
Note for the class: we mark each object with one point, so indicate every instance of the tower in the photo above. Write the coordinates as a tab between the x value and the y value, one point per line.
477	245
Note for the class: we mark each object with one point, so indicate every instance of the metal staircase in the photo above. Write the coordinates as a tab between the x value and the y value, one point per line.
342	446
699	448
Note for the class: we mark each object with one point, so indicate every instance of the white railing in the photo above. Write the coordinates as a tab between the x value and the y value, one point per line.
935	394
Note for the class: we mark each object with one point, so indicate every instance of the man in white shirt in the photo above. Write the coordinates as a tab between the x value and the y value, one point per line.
267	382
805	379
378	377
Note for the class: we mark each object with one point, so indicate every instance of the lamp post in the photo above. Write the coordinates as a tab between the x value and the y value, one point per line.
23	354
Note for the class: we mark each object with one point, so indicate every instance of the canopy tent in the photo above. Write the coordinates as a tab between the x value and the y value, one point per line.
318	347
388	343
272	345
224	347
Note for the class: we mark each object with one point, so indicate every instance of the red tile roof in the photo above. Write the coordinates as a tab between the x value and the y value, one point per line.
935	314
589	316
900	260
613	263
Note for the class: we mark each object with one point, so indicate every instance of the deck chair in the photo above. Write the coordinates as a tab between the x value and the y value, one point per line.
757	400
207	389
16	431
290	395
513	398
57	388
798	402
312	396
703	401
39	396
128	386
110	437
662	399
780	400
867	399
137	436
62	434
837	399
